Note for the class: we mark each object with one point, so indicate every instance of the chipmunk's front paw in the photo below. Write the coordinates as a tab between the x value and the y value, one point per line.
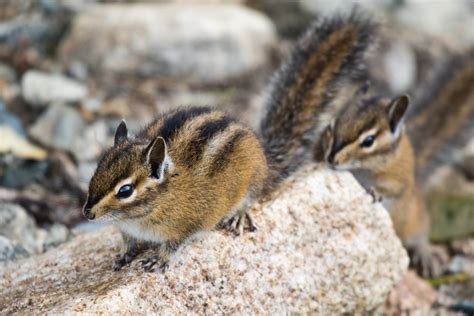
429	261
376	196
236	223
122	260
154	262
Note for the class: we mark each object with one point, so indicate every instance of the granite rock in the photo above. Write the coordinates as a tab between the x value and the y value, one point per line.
322	247
205	43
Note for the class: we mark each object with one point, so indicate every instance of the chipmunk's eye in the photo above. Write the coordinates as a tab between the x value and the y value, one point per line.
125	191
368	141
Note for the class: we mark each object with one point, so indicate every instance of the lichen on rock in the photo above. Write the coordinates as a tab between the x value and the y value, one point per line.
322	247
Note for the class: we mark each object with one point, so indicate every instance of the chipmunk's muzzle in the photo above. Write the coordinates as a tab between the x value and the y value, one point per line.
88	213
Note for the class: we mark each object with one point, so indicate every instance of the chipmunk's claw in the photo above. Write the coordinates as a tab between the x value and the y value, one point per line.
122	260
150	264
236	223
429	261
376	197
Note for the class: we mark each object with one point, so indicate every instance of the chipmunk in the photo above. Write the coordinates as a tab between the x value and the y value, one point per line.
194	168
369	139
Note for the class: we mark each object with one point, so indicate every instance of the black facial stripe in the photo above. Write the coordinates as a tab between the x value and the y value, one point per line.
91	201
221	159
205	133
173	123
338	146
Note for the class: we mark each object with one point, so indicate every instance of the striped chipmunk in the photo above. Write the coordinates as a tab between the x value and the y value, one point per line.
369	138
195	168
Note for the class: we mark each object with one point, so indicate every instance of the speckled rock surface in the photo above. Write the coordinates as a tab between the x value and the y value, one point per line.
321	247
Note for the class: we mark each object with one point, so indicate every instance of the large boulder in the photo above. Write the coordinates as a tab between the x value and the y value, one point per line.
197	43
322	247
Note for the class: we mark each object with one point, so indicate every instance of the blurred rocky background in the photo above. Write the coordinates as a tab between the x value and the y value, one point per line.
71	70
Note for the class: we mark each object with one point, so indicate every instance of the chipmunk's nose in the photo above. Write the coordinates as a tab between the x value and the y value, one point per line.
88	213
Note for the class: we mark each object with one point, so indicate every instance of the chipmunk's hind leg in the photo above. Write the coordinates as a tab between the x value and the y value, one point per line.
161	259
131	248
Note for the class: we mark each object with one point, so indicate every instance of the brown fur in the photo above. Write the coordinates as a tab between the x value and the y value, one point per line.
190	197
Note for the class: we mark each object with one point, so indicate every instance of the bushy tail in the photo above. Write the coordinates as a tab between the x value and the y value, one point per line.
326	62
443	112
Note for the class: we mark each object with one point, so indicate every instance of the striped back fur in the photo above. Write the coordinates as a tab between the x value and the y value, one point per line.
325	67
198	136
443	112
214	163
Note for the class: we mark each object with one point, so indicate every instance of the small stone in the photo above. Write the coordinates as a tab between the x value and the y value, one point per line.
7	73
31	23
40	89
92	141
461	264
16	173
60	126
92	104
18	145
16	225
11	251
8	119
464	246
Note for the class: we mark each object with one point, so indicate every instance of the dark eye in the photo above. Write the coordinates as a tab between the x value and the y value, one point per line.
368	141
125	191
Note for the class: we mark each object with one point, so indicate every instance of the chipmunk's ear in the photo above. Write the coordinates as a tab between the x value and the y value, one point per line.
396	111
121	133
157	158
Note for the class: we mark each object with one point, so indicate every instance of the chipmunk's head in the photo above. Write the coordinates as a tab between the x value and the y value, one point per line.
120	187
365	134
